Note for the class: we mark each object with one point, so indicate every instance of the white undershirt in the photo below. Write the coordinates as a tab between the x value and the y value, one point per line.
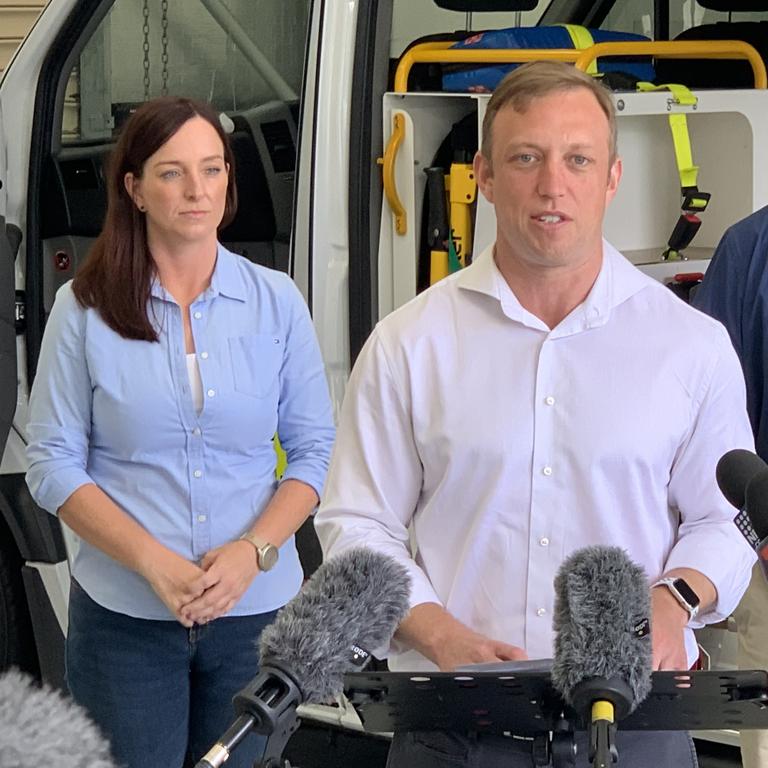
195	382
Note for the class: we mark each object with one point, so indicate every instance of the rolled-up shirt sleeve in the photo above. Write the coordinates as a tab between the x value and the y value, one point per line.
375	477
305	416
60	407
708	540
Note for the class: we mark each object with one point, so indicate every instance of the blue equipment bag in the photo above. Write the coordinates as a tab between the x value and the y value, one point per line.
485	77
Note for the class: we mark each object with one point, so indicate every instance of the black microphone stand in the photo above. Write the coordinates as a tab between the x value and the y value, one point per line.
601	702
526	704
267	705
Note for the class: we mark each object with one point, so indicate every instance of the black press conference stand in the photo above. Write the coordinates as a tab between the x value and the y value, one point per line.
525	704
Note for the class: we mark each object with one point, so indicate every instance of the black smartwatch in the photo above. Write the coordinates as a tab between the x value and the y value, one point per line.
682	592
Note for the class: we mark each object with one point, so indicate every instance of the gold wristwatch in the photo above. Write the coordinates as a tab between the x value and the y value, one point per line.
266	553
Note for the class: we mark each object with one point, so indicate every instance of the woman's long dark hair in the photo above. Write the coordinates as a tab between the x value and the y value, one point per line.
116	277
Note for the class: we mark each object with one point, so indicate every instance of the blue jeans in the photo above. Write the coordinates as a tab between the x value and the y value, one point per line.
160	692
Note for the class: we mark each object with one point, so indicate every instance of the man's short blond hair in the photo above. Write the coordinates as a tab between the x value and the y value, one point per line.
537	79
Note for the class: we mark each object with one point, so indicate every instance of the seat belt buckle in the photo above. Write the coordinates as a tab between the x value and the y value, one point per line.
685	230
694	201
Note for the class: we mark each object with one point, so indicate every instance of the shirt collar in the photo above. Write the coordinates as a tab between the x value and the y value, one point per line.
226	279
616	282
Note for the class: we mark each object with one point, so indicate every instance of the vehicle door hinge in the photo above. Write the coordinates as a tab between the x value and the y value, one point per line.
21	312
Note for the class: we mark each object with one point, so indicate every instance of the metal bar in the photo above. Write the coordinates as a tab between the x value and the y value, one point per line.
250	50
681	49
442	53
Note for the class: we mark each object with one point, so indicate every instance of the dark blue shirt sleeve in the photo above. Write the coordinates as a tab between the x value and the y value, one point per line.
735	292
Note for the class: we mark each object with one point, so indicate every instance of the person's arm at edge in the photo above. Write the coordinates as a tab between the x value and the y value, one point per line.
721	294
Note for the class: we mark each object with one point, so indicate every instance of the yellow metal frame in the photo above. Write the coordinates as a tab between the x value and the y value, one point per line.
681	49
442	53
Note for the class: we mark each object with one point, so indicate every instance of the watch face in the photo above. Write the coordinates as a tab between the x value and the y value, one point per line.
268	557
686	592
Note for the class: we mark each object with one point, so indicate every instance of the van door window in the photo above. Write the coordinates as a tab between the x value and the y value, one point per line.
413	19
636	17
246	58
237	55
688	13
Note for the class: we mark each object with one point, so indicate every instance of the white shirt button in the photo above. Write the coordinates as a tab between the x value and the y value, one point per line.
211	393
204	355
197	473
198	315
541	611
197	432
547	471
544	541
549	400
201	518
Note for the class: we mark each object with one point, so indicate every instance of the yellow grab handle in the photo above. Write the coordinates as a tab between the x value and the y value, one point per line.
441	53
388	172
680	49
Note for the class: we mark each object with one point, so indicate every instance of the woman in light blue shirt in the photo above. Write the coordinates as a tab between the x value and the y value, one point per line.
167	367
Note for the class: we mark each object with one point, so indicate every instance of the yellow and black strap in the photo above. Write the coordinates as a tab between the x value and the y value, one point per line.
694	201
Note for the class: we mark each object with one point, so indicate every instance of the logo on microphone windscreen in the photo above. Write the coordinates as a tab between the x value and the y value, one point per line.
642	628
358	656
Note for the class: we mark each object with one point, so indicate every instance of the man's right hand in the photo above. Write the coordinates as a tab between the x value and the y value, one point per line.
443	639
176	582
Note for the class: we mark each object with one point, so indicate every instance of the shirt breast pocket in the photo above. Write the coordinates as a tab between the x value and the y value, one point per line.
256	361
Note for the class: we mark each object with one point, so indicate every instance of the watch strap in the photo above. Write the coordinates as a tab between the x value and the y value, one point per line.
670	582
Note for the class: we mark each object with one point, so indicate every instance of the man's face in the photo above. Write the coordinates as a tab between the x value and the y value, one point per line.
550	180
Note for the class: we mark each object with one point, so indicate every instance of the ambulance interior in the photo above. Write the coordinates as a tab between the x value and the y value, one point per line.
723	109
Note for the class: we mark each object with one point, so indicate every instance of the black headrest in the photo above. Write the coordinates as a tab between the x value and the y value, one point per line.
487	5
735	6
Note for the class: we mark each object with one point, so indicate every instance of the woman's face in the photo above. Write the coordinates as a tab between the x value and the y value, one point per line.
183	187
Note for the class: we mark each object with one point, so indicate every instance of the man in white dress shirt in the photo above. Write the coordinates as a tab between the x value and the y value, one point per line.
547	398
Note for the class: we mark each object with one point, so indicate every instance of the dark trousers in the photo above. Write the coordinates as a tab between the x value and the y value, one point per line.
158	691
649	749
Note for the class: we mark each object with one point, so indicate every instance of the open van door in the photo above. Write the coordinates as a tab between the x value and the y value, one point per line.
7	314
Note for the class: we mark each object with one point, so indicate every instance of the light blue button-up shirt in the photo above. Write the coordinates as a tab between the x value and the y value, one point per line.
119	413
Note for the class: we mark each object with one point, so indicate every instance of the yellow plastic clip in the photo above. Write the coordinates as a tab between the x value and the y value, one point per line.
602	710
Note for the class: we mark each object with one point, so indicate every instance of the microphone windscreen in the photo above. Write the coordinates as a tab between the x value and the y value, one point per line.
756	504
39	726
734	471
357	598
602	622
